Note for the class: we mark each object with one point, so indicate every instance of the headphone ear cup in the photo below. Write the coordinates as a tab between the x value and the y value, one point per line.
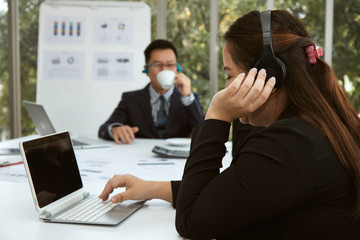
274	67
146	70
178	68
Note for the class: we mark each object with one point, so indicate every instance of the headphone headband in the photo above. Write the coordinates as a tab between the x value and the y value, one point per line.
265	17
274	66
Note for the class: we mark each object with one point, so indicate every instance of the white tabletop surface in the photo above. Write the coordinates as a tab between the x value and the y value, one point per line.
19	219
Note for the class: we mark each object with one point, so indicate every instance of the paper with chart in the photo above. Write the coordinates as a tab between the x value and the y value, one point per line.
113	30
64	30
116	66
64	65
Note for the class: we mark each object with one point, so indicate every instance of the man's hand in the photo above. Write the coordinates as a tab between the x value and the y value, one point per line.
183	83
124	133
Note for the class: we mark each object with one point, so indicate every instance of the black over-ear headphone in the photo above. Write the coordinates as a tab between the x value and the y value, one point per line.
274	66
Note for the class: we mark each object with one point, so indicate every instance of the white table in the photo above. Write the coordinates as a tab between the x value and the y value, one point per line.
19	219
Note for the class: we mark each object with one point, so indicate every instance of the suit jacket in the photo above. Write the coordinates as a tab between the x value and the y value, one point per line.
134	110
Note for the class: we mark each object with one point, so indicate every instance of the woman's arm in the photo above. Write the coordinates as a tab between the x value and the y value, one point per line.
240	135
269	177
136	189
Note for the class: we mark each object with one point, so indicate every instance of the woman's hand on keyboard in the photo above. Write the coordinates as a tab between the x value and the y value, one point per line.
136	189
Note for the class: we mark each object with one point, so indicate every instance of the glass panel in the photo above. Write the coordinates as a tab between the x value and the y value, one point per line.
28	27
312	13
188	26
346	44
229	11
346	48
4	73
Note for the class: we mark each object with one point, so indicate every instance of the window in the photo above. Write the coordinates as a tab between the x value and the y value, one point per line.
188	27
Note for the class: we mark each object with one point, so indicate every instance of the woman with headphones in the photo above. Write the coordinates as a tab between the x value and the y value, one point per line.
295	172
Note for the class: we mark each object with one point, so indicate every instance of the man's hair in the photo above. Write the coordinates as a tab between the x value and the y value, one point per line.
158	44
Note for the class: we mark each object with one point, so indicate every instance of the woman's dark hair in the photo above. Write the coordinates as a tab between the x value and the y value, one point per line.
312	90
158	44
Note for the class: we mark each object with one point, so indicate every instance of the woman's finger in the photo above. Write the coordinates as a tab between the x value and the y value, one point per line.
233	86
247	84
265	93
115	182
120	197
257	88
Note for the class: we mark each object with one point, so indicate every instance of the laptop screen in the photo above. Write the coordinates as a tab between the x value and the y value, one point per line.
52	166
40	118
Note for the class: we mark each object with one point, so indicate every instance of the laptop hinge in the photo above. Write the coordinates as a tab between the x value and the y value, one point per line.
86	194
45	215
62	205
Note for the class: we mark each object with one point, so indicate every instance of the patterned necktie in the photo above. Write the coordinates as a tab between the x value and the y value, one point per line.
161	117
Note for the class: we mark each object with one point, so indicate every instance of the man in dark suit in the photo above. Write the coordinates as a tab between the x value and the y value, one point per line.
155	112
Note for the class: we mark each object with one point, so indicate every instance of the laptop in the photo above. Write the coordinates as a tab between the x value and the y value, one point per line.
44	126
57	188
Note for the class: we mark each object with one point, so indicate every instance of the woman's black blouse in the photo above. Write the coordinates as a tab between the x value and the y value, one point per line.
285	182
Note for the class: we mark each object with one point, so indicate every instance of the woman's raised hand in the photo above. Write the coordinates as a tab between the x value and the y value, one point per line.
241	96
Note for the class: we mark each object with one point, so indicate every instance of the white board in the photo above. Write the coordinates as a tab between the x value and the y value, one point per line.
89	52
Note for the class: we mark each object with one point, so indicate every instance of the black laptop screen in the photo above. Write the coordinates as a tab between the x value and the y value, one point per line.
52	166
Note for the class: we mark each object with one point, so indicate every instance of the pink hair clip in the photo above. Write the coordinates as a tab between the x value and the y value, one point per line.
313	54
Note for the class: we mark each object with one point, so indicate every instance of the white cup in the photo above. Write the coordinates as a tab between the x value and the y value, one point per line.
166	79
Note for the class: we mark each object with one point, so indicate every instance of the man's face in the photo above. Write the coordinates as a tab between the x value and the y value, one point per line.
161	59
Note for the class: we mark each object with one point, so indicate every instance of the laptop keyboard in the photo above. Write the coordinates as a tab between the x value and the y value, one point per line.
88	211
